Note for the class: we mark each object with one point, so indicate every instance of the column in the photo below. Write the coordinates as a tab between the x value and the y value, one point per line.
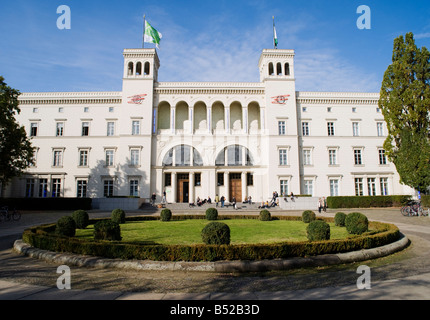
244	186
245	120
191	191
227	119
191	119
227	186
209	119
172	119
174	186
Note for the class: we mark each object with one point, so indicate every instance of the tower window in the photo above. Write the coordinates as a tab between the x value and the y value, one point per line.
139	68
287	69
147	68
271	71
279	69
130	68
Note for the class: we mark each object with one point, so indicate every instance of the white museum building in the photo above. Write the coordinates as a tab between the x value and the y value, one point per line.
200	139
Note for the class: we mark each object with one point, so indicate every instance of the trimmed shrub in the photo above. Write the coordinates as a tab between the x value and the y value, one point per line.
81	219
308	216
367	201
265	215
339	219
66	226
166	215
216	233
318	230
107	230
356	223
118	216
211	214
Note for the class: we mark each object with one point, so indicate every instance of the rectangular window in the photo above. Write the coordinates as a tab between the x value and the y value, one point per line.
332	157
81	188
249	179
134	188
281	128
135	128
382	157
168	180
85	129
29	188
43	188
305	128
197	179
110	129
334	187
56	188
357	157
355	129
307	157
134	157
108	188
109	158
58	158
83	158
283	187
371	186
330	128
309	187
60	129
383	183
33	129
380	129
359	187
220	179
283	157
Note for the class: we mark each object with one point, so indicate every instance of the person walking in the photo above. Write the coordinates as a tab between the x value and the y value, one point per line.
222	201
153	198
216	200
319	205
324	204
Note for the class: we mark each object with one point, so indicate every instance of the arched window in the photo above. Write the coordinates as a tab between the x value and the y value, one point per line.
139	69
287	69
279	69
130	68
184	156
236	156
147	68
271	71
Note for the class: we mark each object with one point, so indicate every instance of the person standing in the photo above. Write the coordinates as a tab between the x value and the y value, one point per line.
319	205
153	198
216	200
324	204
222	201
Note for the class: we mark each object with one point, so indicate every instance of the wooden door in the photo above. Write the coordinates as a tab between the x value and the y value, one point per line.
183	188
236	186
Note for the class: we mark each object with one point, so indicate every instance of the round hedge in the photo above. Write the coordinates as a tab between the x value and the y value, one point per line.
166	215
66	226
356	223
118	216
216	233
308	216
265	215
107	230
211	214
81	218
339	219
318	230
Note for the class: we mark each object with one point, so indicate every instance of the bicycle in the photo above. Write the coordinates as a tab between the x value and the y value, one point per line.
413	208
7	215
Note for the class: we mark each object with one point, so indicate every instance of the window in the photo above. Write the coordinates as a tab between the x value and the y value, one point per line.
29	188
380	129
357	157
309	187
383	183
234	155
134	188
359	186
56	188
197	179
85	129
33	129
135	128
60	110
220	179
43	188
382	157
108	188
81	189
35	110
283	157
354	109
134	157
378	110
283	187
329	109
332	157
58	158
305	128
371	186
83	158
355	129
307	157
111	109
60	129
168	180
249	179
109	158
304	109
86	109
334	187
330	128
110	129
281	128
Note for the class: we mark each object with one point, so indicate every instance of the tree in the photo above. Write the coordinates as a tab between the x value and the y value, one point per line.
16	152
405	104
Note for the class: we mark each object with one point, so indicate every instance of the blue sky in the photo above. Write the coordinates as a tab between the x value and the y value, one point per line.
204	41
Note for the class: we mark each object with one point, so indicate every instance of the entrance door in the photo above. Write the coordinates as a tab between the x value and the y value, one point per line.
236	186
183	188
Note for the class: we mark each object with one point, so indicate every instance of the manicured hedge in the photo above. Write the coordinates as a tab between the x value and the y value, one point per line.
43	237
367	201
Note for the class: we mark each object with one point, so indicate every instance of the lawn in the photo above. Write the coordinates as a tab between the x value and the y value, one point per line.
187	232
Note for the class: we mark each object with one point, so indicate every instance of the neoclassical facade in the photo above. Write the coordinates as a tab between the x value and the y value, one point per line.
200	139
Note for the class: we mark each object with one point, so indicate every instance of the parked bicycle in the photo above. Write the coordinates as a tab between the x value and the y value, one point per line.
7	214
414	208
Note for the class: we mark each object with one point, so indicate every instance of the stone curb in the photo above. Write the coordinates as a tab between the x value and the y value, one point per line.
218	266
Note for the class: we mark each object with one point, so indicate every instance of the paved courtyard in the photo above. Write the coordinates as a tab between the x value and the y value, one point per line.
404	275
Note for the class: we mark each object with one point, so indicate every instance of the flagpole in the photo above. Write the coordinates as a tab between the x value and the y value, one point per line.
143	40
274	34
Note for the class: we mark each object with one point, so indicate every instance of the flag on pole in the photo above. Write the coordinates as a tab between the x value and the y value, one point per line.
151	35
275	37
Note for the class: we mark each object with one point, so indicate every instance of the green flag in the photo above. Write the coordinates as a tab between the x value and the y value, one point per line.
275	37
152	35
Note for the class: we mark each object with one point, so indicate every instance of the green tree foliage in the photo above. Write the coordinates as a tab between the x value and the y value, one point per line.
16	152
405	104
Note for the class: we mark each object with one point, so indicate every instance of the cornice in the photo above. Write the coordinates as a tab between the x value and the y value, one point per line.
61	98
